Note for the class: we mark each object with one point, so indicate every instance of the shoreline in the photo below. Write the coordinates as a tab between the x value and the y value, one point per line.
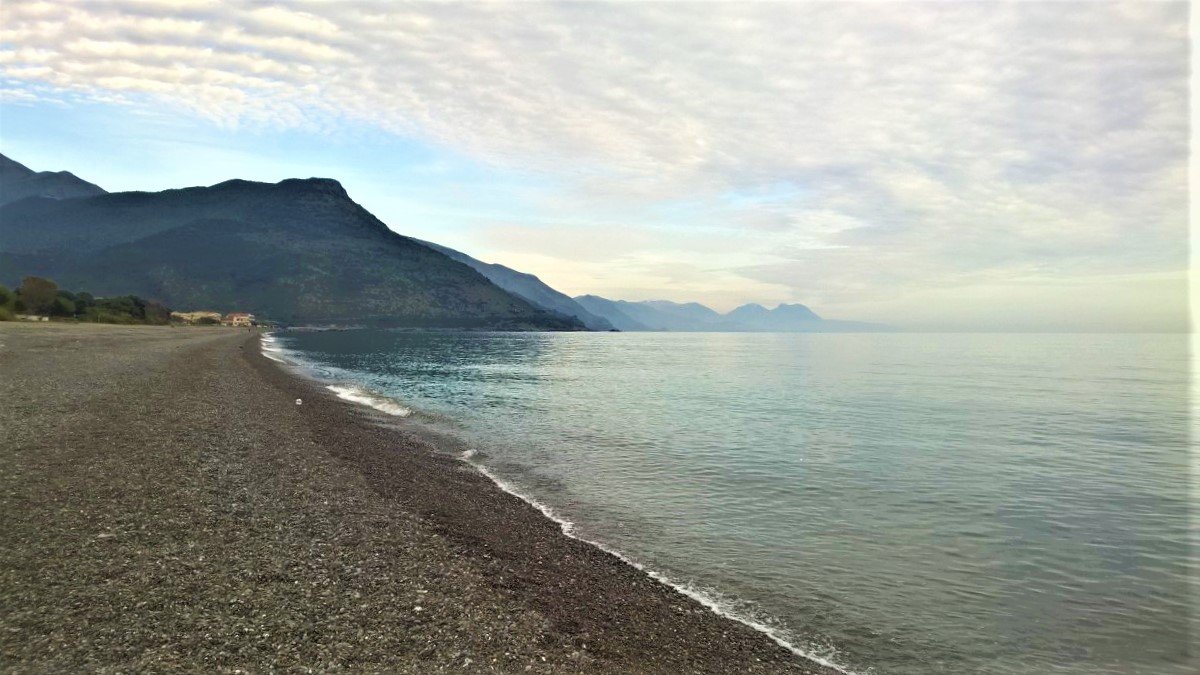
397	412
564	527
342	524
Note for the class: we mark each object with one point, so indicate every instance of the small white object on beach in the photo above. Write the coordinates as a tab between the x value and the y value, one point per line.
298	401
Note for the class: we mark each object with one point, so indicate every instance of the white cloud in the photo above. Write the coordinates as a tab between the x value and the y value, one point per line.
923	145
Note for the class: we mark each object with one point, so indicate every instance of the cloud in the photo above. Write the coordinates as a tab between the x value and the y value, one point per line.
904	146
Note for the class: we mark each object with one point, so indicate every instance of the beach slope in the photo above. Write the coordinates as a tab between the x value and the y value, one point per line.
167	505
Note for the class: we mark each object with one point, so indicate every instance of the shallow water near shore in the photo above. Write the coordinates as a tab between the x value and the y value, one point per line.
894	503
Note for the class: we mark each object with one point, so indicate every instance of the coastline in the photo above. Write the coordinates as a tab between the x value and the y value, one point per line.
174	507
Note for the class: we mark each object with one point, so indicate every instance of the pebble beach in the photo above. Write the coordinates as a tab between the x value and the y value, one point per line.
169	506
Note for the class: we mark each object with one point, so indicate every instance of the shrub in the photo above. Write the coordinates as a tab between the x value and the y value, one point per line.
42	296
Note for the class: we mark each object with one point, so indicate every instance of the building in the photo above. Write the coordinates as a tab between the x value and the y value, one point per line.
238	319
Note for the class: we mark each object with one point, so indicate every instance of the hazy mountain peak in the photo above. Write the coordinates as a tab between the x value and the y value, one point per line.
669	305
749	308
673	316
796	311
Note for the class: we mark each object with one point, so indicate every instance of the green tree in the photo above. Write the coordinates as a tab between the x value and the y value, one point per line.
8	304
62	306
37	294
84	302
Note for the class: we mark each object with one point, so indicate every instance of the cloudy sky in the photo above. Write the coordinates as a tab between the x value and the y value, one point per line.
962	165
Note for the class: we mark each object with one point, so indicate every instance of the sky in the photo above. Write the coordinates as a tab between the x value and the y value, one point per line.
935	166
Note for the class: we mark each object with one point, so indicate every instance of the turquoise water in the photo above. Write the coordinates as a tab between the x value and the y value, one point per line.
896	503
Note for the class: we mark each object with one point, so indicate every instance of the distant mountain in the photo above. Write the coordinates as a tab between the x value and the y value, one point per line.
784	318
526	286
672	316
298	251
610	311
656	315
18	181
661	315
750	314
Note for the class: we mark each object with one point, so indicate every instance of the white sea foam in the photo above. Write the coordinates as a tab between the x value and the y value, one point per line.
713	600
268	346
356	394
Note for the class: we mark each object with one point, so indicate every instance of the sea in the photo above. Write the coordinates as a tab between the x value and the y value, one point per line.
884	503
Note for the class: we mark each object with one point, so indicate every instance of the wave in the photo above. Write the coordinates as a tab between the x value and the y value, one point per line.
267	345
709	598
357	394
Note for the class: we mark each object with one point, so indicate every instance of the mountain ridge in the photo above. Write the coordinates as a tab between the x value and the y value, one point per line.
296	251
664	315
18	182
609	310
303	250
527	286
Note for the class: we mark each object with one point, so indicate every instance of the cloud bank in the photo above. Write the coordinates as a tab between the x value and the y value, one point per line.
842	154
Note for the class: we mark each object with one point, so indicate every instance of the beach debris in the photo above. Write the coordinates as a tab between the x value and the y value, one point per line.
299	401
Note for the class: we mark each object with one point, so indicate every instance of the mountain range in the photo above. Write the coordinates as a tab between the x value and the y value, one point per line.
662	315
297	251
302	251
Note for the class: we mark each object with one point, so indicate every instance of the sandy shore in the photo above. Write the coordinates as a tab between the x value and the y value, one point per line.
168	506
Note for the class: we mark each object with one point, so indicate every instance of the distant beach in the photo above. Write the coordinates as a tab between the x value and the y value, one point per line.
175	500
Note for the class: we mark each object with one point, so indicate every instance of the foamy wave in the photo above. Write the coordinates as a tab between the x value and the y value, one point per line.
370	399
713	600
267	346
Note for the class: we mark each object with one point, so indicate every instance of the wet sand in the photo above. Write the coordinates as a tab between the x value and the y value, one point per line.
167	505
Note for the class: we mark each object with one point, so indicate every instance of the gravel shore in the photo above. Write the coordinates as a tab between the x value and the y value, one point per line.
168	506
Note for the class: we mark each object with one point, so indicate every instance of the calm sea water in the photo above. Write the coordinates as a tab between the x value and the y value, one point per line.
896	503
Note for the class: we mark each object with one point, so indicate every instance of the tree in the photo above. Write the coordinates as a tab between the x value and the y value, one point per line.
156	314
62	306
37	294
8	304
84	302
